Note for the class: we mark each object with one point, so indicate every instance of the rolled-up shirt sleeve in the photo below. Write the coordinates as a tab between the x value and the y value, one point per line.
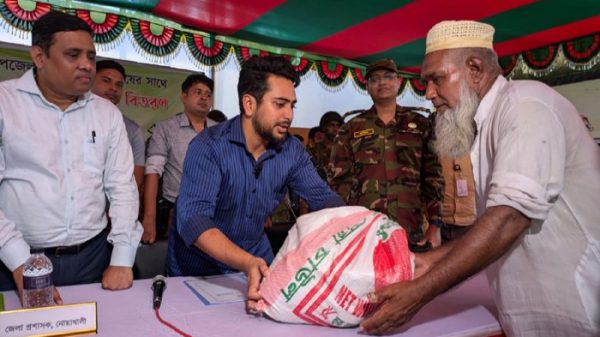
157	152
530	161
121	190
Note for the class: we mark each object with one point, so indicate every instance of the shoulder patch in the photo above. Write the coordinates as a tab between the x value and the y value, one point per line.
364	133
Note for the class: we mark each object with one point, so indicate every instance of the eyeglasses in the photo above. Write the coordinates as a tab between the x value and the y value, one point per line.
387	77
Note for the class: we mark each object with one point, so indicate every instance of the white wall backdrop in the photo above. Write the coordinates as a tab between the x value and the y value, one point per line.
586	97
314	99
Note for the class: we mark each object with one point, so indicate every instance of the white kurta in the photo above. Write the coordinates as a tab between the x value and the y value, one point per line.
533	153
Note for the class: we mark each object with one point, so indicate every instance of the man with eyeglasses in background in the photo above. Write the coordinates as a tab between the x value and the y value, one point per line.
166	151
384	159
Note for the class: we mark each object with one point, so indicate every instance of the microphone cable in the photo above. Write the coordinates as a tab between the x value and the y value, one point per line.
173	327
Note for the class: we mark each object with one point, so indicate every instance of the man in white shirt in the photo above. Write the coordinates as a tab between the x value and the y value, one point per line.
537	180
63	152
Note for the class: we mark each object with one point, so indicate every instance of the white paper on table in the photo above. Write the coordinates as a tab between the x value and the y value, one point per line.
219	289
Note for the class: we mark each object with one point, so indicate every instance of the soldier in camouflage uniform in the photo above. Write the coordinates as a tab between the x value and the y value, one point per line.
321	152
384	159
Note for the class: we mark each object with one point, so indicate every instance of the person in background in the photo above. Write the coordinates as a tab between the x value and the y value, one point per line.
315	136
537	181
236	173
109	83
217	116
166	151
63	154
384	159
329	124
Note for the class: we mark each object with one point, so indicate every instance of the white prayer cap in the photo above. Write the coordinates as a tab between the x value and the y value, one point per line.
459	34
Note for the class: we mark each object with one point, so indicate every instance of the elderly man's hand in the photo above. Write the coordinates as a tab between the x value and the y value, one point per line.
399	303
255	269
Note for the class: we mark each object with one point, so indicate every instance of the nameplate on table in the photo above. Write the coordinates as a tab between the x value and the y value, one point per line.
58	320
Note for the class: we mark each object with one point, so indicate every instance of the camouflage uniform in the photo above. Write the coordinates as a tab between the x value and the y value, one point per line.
320	153
390	168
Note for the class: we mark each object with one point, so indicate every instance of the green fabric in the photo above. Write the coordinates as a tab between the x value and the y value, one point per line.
143	14
522	20
307	21
144	5
554	12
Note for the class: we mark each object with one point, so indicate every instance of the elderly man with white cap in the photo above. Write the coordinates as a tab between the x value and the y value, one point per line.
537	176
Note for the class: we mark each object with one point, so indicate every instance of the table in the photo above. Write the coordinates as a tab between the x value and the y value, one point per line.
467	310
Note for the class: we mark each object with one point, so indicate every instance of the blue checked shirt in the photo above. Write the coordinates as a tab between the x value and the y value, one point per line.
224	187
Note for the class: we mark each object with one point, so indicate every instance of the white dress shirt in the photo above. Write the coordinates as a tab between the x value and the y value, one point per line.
58	168
533	153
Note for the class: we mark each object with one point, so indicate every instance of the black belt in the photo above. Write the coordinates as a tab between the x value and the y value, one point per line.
165	202
74	249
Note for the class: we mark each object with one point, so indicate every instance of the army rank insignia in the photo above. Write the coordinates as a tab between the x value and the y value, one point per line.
364	133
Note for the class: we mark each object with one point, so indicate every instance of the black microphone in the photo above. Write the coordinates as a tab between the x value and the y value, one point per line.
258	168
158	286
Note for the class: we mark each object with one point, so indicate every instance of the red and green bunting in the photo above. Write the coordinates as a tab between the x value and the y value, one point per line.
582	50
301	65
107	27
332	74
155	39
508	63
207	49
23	17
244	53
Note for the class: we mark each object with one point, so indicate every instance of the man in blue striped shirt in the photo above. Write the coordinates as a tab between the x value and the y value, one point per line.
236	173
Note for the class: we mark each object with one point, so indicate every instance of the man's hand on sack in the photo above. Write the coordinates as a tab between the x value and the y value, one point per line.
255	269
399	303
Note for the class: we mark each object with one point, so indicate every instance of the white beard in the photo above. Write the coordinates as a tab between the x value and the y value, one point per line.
455	128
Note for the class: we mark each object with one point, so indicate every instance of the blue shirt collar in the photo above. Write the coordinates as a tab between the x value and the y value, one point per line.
236	135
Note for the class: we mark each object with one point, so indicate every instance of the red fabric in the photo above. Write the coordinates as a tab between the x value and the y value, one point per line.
391	260
223	17
382	33
546	37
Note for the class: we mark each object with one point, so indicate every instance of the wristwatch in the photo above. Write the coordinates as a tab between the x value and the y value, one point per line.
439	223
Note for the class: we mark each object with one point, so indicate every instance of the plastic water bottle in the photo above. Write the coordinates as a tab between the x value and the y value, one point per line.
37	280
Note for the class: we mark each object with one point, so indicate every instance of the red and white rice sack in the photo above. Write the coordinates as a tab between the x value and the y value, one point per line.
328	264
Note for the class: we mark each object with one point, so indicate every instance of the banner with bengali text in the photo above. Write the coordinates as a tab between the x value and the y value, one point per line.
151	93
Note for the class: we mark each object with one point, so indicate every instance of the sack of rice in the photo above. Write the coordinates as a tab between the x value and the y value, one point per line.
328	264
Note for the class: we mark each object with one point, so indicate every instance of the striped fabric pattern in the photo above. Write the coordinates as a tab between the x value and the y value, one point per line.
224	187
